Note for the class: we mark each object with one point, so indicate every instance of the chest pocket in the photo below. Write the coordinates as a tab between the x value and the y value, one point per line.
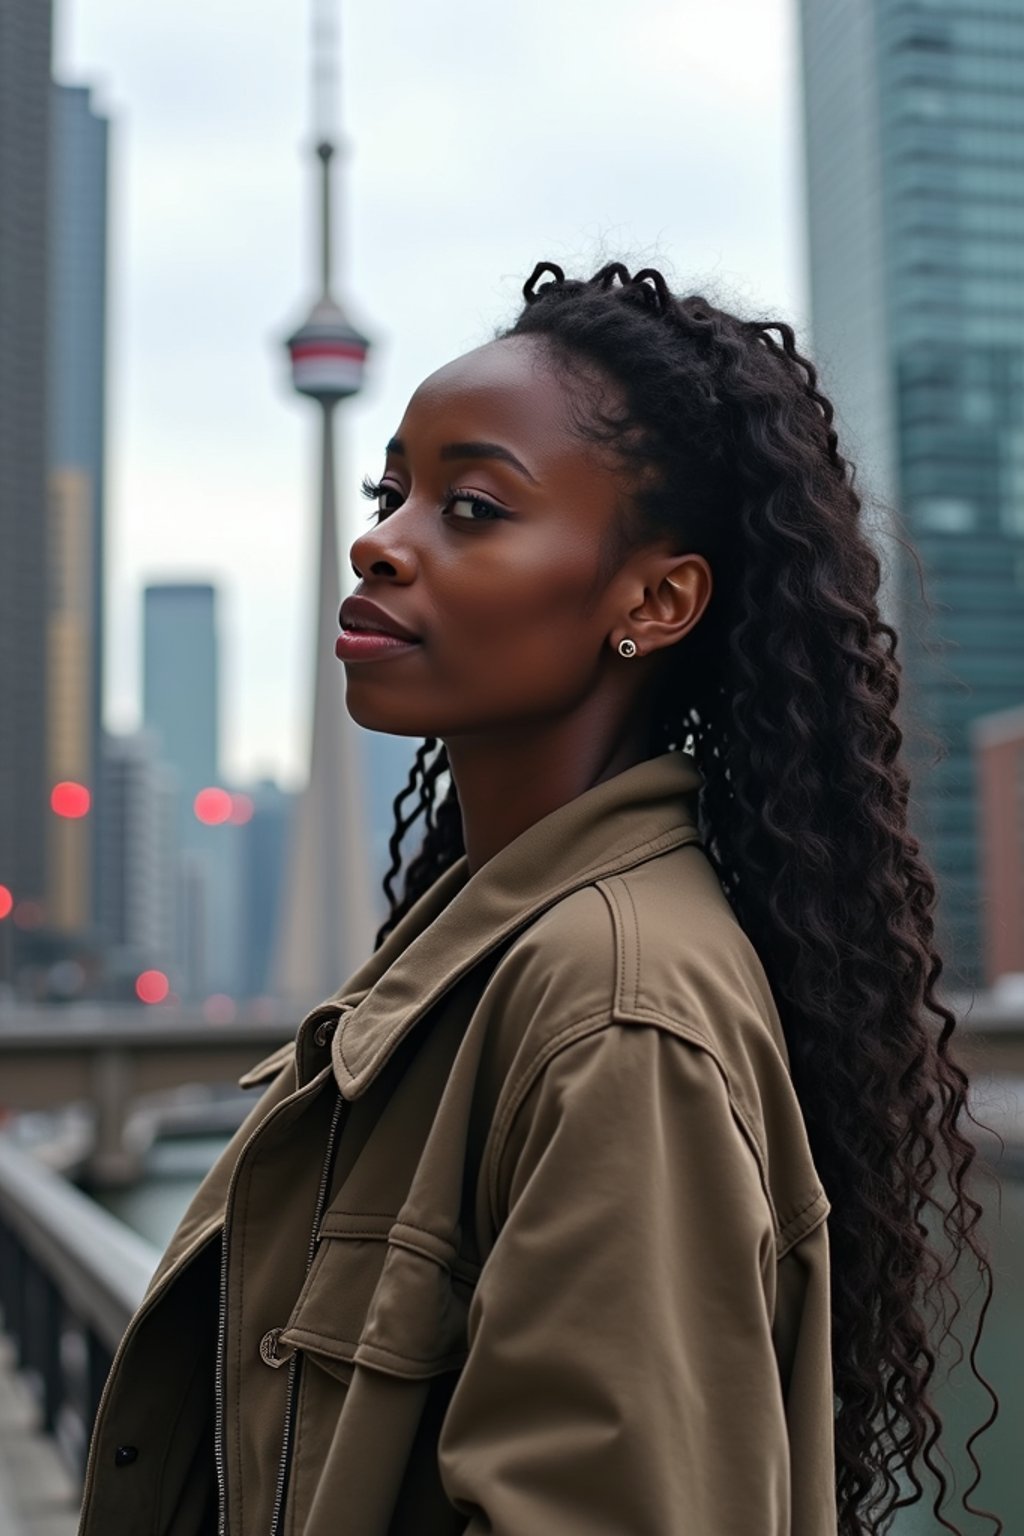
383	1294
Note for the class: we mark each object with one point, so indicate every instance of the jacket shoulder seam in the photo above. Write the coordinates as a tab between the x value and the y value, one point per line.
803	1221
515	1094
590	1025
797	1219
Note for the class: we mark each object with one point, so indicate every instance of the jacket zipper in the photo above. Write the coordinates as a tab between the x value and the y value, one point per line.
284	1465
219	1454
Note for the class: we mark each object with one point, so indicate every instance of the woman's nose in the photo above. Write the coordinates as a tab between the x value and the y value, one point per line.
380	552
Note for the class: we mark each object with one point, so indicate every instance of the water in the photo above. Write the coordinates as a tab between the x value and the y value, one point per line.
174	1171
962	1403
154	1207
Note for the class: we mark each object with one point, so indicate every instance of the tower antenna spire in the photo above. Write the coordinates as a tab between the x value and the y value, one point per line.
326	79
326	927
326	47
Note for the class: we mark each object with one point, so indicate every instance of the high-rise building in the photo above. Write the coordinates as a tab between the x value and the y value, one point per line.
70	761
999	753
77	391
25	121
180	695
914	138
181	704
138	857
264	846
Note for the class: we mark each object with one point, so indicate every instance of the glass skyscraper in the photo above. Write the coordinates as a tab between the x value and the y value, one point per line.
77	343
180	693
914	134
76	425
25	122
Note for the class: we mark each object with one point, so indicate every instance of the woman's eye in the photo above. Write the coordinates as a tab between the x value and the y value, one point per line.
468	508
374	491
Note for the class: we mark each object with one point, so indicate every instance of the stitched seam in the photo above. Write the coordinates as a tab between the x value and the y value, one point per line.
339	1237
638	958
815	1212
696	1037
528	1077
384	1215
623	913
269	1067
517	1093
423	1253
242	1200
688	1032
384	1349
401	1221
247	1178
801	1210
325	1338
462	1269
659	844
371	1344
213	1225
606	891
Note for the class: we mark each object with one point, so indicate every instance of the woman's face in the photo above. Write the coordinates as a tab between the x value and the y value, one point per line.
487	548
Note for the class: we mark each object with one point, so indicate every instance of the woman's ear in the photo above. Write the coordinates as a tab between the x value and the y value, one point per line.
676	591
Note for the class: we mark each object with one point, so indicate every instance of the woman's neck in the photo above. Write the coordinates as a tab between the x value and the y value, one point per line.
507	784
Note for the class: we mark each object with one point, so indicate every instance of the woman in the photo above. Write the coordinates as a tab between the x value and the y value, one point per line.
592	1202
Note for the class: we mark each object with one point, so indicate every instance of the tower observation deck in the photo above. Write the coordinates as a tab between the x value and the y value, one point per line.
327	922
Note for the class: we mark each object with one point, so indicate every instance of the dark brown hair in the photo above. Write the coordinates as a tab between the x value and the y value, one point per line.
786	693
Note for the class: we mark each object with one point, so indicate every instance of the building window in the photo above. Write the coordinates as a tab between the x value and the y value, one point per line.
944	514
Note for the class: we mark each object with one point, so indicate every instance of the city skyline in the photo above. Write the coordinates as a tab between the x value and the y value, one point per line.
211	239
916	224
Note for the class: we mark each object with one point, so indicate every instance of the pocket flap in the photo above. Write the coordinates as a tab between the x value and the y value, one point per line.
394	1299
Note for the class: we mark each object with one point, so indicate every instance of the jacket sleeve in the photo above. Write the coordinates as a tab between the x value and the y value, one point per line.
621	1378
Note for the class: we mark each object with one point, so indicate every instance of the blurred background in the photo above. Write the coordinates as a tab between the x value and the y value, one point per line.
232	241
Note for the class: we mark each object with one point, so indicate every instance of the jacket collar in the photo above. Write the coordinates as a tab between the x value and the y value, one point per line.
624	821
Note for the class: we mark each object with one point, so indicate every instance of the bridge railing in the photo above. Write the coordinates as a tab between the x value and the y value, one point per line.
71	1276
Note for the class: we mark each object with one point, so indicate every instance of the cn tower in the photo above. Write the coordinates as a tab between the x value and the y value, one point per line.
326	924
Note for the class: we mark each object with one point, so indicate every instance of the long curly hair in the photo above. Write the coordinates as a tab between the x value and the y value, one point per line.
785	693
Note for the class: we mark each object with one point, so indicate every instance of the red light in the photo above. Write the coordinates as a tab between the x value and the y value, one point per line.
219	1008
241	810
70	799
212	806
6	902
151	987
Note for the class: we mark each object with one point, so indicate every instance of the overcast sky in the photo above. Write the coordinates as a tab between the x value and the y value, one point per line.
481	139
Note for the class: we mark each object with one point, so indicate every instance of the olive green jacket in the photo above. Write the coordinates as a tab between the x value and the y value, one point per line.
523	1236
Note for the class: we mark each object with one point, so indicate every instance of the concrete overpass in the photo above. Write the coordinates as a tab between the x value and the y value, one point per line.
109	1058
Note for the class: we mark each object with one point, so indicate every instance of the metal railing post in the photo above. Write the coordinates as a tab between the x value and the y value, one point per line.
71	1276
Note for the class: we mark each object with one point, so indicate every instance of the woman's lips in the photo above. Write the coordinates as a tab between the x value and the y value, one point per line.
369	645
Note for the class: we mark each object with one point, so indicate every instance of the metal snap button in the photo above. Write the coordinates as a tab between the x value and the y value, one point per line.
268	1349
125	1455
324	1031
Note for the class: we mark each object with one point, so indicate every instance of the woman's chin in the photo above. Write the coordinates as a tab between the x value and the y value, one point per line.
386	716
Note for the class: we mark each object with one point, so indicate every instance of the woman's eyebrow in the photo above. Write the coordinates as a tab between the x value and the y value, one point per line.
472	451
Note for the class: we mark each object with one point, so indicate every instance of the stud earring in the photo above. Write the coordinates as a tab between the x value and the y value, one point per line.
627	647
